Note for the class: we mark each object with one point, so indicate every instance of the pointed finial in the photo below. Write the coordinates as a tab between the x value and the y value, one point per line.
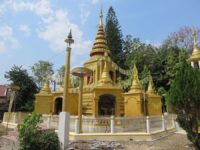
194	34
135	72
136	82
69	39
101	18
150	86
46	88
195	47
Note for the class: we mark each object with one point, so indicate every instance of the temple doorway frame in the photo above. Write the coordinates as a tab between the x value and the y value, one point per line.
58	102
107	105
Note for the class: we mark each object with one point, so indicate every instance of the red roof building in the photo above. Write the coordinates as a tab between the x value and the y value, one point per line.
3	90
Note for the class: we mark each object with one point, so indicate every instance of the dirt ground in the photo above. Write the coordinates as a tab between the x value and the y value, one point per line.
172	142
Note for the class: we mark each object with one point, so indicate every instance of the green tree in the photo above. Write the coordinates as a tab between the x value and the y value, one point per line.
73	79
25	96
42	70
139	53
61	74
114	37
184	99
145	77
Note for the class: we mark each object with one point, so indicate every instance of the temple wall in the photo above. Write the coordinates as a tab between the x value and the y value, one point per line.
133	104
88	103
43	104
154	105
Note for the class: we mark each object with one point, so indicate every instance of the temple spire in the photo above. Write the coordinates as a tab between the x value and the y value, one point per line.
101	18
195	46
150	86
136	83
100	45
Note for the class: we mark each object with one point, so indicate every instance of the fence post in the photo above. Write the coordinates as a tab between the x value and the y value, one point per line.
174	121
163	123
147	124
112	124
77	125
49	121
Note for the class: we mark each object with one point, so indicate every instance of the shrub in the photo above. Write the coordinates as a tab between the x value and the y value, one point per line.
31	138
184	99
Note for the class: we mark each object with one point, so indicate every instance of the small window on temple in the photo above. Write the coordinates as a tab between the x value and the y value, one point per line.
111	75
88	79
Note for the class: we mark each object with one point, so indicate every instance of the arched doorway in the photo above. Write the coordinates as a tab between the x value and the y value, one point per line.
58	105
106	105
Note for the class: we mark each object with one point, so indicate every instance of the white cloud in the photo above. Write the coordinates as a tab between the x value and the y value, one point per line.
42	8
56	32
8	41
54	25
94	1
25	28
84	13
2	47
5	32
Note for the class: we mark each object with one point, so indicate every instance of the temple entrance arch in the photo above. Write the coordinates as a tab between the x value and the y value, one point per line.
58	105
106	105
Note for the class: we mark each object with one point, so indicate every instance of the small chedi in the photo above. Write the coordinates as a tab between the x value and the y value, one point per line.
102	95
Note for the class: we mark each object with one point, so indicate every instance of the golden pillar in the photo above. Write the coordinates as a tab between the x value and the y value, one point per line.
81	72
80	104
65	106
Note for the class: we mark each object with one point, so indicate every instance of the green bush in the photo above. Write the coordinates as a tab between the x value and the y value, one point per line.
32	138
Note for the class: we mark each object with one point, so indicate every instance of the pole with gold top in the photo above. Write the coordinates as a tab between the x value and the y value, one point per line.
64	116
69	41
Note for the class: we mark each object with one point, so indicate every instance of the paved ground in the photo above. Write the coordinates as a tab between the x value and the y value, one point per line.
174	142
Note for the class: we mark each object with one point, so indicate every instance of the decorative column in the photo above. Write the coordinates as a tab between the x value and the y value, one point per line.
64	116
80	104
65	106
81	72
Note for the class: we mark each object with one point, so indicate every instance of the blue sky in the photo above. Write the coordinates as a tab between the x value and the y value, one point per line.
33	30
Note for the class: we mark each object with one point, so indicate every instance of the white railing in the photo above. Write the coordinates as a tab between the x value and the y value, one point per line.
141	124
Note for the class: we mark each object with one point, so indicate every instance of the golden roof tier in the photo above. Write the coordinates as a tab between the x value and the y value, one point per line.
100	44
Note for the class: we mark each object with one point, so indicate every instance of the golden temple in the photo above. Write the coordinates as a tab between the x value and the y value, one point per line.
102	95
